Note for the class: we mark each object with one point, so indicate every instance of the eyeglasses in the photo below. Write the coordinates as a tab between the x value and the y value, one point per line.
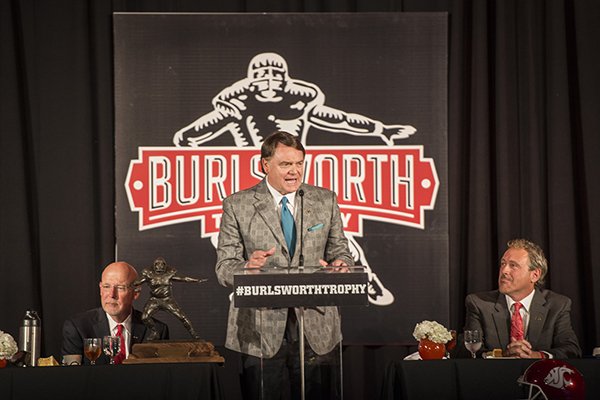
120	288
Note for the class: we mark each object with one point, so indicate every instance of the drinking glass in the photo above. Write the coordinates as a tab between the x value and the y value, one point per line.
92	348
473	341
111	346
451	344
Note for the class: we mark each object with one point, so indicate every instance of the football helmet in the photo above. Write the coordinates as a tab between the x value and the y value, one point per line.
551	379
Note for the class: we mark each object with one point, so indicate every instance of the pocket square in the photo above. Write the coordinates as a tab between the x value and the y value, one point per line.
315	227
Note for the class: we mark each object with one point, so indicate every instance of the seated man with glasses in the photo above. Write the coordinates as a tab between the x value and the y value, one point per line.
116	315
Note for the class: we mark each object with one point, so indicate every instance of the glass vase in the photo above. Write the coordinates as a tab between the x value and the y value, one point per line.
429	350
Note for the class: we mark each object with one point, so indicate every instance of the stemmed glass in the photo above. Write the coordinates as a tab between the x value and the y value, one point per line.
111	346
473	341
92	348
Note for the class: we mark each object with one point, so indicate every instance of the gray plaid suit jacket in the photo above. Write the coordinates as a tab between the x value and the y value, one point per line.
549	322
251	222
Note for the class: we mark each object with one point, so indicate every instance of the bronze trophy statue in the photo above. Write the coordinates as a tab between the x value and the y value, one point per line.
160	277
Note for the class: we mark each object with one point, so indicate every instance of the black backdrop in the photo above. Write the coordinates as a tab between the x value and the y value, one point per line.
396	72
523	137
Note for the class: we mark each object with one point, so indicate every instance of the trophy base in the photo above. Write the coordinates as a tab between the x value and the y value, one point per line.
174	351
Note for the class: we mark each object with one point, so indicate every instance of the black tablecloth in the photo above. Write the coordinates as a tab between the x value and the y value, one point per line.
464	379
108	382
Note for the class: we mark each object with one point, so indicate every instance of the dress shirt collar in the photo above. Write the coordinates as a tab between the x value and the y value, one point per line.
526	302
112	325
278	196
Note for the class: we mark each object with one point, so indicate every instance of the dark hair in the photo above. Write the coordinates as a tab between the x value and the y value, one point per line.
279	137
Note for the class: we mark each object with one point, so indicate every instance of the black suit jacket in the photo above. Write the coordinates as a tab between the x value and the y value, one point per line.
549	327
94	323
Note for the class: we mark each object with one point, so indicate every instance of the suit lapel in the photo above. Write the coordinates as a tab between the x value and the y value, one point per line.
265	207
501	318
311	216
138	329
101	327
305	207
537	316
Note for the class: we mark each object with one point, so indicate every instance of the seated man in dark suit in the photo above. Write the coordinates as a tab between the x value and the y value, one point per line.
117	295
541	325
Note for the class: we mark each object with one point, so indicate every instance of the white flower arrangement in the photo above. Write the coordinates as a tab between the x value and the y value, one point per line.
433	331
8	346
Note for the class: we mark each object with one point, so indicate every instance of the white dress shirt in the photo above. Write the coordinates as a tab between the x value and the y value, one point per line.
526	303
112	326
277	199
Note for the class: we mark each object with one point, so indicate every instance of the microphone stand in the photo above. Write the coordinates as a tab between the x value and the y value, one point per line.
301	309
301	265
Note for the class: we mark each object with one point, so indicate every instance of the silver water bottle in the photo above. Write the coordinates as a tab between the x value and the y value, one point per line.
30	337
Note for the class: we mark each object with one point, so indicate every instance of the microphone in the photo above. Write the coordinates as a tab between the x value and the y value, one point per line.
301	194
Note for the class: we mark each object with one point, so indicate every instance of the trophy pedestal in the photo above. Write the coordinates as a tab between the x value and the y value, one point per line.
174	351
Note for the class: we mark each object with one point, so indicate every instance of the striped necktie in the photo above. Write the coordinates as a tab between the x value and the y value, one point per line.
122	350
516	323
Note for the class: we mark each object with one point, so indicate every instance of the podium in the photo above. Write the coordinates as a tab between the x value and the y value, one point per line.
312	288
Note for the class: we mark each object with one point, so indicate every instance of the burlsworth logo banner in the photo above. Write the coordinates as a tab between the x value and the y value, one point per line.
385	176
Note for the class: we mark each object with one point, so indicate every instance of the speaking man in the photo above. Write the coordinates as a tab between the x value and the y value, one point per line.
259	228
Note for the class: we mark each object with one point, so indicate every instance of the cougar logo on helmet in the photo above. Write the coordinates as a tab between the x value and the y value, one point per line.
551	379
556	377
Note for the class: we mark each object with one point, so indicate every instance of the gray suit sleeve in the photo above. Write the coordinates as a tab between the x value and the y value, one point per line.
564	341
473	317
230	250
473	321
337	244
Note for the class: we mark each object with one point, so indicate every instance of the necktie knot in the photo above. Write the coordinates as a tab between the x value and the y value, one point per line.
517	306
119	330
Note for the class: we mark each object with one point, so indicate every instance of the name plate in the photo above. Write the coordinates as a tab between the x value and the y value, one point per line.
290	288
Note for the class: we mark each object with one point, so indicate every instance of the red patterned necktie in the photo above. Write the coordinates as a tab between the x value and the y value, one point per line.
516	323
122	352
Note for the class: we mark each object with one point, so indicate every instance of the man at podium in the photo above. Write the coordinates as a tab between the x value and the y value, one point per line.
260	230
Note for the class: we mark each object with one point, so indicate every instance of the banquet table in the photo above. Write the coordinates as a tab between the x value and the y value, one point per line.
464	379
140	381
